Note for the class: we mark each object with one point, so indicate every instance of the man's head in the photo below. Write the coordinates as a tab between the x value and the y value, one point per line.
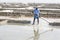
36	8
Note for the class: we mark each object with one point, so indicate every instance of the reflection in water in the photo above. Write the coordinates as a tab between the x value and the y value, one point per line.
37	32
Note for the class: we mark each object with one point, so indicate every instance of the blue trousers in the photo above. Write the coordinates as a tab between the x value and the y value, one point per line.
36	17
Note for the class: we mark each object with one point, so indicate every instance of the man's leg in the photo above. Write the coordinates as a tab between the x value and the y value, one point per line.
38	20
34	21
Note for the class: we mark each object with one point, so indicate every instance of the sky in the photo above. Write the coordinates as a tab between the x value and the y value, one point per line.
31	1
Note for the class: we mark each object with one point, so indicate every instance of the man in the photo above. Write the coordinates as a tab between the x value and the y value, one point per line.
36	15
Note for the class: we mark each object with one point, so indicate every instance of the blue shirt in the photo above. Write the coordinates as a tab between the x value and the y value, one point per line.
36	13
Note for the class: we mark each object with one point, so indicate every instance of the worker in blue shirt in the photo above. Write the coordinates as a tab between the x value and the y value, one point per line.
36	15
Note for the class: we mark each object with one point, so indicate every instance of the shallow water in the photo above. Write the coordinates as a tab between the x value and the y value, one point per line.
23	32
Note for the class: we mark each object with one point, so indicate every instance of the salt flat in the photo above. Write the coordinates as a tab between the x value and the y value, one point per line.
23	32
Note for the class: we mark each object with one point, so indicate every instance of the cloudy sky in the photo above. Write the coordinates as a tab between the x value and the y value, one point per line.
33	1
